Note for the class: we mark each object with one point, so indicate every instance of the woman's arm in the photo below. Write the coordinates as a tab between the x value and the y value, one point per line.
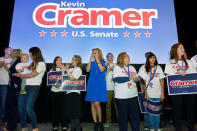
71	77
89	63
40	67
30	75
162	89
101	68
88	67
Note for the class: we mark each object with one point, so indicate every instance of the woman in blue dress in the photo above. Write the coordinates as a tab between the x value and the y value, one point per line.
96	87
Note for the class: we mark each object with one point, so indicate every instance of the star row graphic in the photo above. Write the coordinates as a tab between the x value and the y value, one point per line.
137	34
53	33
125	34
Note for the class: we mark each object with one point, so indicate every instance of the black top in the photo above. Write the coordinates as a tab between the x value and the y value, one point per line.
14	81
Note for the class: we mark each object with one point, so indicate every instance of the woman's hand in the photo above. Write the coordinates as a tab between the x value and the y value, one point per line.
67	66
97	59
111	68
162	96
132	76
181	72
61	66
57	85
92	56
17	75
146	95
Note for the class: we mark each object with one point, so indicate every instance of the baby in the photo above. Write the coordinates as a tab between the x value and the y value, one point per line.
23	68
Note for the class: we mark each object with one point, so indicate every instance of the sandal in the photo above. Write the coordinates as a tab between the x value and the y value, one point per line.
64	128
55	129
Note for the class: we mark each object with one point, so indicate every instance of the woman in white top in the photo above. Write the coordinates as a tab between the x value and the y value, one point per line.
126	93
181	103
33	81
58	98
110	89
73	98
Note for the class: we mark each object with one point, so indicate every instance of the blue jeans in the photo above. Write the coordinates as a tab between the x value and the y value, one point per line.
26	104
3	94
146	120
154	120
128	107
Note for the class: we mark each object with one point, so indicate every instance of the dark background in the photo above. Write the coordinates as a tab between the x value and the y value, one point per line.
185	12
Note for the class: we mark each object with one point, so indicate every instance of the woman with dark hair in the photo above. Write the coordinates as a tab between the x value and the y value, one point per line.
73	97
96	87
124	76
179	64
13	91
153	76
33	81
58	100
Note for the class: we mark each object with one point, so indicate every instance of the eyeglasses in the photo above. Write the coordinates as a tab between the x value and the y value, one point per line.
110	56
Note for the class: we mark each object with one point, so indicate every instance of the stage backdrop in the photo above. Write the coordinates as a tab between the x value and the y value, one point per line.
65	28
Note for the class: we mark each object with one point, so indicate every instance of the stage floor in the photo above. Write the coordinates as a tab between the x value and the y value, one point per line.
89	127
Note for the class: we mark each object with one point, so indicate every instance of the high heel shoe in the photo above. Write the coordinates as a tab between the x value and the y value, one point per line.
96	127
55	129
101	126
65	129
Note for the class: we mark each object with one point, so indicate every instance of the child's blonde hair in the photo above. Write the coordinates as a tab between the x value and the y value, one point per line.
26	55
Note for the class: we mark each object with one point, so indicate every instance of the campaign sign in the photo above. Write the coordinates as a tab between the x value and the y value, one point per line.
178	84
68	27
54	77
142	102
79	84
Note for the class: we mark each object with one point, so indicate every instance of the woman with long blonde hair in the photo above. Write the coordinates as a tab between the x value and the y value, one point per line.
96	88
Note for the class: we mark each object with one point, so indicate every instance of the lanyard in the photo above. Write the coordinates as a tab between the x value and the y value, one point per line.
152	74
180	66
128	73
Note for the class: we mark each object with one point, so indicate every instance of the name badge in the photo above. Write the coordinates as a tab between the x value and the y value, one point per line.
129	85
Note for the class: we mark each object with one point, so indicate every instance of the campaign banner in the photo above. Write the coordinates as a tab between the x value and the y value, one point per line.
178	84
69	27
142	102
79	84
54	77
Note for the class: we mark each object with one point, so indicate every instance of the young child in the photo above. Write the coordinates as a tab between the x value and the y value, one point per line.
153	75
23	68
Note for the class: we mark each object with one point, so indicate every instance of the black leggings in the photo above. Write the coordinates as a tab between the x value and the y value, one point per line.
75	125
58	109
